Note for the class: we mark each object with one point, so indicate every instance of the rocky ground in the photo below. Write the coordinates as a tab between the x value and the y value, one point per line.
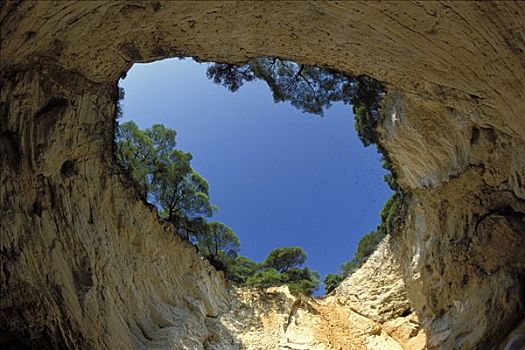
276	319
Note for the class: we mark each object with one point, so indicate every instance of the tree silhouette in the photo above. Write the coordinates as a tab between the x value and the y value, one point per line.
164	176
310	89
285	258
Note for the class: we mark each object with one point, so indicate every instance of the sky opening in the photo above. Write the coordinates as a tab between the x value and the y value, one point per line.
280	177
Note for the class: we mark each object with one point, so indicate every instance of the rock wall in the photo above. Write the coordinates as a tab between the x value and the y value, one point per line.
463	248
278	320
370	310
86	265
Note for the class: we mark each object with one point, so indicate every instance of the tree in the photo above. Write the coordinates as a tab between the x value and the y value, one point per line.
331	281
218	238
280	267
313	89
135	154
392	213
229	75
310	89
365	105
367	245
241	268
301	280
298	280
179	189
265	278
164	176
284	258
347	268
121	93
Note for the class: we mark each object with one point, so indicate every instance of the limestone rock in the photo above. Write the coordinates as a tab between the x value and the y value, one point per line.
276	319
86	265
377	290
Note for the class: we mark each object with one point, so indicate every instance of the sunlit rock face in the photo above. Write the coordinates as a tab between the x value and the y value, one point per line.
86	265
276	319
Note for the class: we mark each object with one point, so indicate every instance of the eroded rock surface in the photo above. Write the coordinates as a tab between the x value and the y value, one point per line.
86	265
369	311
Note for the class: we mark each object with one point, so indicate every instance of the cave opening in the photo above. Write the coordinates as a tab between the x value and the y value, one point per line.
292	174
455	75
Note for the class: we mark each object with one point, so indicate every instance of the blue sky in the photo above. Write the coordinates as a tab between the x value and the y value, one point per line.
279	176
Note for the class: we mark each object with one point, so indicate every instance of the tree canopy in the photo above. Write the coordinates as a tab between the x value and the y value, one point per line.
164	176
311	89
241	268
284	258
218	238
301	280
282	267
331	281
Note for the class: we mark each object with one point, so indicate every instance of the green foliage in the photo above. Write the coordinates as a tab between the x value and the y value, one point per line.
392	213
390	178
218	238
229	75
164	176
348	267
134	153
313	89
265	278
367	245
280	267
331	281
222	261
284	258
240	269
310	89
301	280
364	125
365	104
120	97
298	280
